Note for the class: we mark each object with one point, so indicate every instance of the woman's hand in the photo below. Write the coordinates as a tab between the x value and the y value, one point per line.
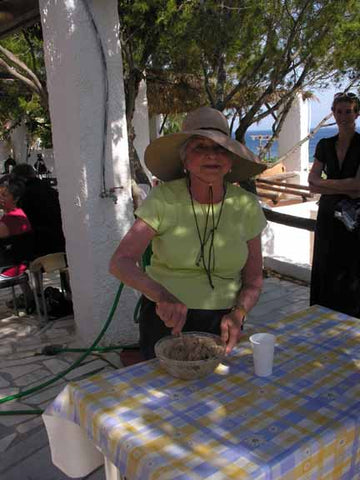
231	324
172	312
252	279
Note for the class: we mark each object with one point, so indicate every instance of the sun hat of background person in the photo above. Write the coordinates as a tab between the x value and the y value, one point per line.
162	156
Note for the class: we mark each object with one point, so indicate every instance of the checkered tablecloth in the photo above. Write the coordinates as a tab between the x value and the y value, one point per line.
300	423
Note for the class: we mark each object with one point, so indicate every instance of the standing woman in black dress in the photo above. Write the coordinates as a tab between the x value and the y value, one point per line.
335	278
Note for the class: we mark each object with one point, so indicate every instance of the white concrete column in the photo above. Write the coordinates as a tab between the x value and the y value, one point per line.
18	139
295	128
154	126
5	151
93	226
141	125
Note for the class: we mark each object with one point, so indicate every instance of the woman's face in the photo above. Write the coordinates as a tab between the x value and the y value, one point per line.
345	114
6	199
207	160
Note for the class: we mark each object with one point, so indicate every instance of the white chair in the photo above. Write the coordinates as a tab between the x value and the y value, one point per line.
47	264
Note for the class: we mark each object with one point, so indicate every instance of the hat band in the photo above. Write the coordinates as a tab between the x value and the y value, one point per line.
215	129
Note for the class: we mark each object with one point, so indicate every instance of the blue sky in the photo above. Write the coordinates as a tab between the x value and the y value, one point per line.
321	108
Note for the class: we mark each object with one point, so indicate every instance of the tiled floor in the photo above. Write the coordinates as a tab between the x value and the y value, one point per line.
24	452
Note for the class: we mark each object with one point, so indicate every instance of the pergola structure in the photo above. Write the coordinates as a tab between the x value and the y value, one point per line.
16	14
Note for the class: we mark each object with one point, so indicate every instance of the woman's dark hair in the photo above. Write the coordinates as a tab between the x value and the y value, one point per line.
16	186
23	170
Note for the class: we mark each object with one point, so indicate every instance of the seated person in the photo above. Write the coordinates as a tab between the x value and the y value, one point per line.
40	166
13	222
9	164
40	202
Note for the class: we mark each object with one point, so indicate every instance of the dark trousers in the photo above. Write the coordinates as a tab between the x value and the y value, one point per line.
152	328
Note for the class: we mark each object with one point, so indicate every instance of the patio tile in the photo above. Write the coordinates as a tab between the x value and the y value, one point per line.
20	450
55	365
45	395
19	371
5	349
39	464
30	425
88	368
39	376
3	382
6	392
6	441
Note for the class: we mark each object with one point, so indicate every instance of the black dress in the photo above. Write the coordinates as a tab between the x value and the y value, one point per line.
335	276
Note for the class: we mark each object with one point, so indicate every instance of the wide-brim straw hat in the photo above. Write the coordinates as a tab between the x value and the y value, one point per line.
162	156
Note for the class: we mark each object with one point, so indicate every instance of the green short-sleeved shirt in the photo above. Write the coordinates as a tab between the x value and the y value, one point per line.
176	245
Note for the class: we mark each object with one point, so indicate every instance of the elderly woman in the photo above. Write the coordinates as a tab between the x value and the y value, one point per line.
335	278
206	268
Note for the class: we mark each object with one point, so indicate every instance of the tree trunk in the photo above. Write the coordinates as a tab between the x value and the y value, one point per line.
132	89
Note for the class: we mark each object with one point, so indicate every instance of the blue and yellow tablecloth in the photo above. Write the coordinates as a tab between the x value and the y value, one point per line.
300	423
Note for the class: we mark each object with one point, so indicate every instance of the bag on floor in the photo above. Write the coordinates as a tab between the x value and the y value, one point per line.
57	304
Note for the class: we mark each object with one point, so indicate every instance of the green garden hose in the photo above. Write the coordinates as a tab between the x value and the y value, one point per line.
87	351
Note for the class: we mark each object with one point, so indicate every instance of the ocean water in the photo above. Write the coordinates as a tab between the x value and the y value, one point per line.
253	144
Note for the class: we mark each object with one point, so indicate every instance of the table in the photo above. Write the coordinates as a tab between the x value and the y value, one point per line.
301	423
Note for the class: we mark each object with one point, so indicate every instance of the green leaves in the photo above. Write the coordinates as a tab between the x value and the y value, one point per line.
23	91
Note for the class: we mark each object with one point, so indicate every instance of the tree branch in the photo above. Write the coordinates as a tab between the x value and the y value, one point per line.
14	73
32	54
207	83
14	59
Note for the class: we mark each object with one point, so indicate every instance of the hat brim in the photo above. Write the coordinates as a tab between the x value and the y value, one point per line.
162	156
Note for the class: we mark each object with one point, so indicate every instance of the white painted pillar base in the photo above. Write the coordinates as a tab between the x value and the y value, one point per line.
141	126
93	226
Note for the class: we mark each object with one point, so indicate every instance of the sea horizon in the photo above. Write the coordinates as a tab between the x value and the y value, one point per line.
253	144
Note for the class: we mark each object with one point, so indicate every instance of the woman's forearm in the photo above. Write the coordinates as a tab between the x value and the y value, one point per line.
252	276
327	190
248	296
345	186
329	186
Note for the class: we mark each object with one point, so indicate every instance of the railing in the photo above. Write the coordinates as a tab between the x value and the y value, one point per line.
290	220
275	190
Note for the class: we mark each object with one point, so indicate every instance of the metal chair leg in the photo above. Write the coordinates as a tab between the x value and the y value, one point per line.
14	300
37	282
34	283
26	300
46	317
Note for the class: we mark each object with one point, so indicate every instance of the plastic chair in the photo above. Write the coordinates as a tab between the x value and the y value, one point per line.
16	250
47	264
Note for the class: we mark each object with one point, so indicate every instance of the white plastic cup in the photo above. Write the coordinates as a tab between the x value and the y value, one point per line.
263	345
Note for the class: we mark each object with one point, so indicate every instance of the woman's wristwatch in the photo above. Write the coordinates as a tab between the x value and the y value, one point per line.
243	312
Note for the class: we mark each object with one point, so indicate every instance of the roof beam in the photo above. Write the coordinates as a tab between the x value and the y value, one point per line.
17	14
